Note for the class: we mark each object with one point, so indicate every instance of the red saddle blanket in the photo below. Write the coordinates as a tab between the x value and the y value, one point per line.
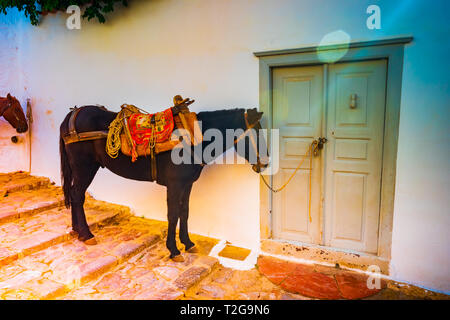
144	127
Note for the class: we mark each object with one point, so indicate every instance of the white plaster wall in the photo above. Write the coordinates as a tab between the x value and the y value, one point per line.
13	157
203	49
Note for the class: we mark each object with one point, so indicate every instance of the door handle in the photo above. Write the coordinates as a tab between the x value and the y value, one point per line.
319	142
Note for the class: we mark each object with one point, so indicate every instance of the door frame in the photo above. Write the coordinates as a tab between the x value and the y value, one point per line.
390	49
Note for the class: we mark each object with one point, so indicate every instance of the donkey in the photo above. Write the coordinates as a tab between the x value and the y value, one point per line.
12	111
80	162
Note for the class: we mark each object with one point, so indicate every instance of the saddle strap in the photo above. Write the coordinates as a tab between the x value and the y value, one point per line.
73	136
153	163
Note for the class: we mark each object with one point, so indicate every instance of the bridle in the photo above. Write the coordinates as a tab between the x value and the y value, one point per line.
249	127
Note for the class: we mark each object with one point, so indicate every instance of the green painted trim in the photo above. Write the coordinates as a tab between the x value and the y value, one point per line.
359	44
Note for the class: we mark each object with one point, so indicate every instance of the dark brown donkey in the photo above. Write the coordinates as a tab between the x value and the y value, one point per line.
11	110
80	162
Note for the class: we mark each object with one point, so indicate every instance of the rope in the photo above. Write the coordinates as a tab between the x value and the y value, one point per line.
312	148
113	141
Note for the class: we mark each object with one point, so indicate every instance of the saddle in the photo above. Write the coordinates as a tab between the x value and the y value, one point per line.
136	133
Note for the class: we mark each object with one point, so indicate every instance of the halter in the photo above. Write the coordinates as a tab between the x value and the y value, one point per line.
252	140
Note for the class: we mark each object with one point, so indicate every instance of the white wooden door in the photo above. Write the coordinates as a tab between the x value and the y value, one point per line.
346	174
297	113
354	153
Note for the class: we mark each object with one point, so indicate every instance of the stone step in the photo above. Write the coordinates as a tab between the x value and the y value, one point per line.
152	275
62	267
28	202
317	281
25	236
18	181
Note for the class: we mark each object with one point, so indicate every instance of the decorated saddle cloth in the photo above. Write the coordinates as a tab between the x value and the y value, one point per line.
140	134
151	128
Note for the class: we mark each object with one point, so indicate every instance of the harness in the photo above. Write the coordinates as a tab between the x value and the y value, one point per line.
145	129
74	136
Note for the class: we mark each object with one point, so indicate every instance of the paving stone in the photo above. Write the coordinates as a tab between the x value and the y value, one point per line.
34	233
258	296
7	256
111	282
44	288
151	282
275	270
100	265
10	271
17	181
291	296
354	286
28	202
40	258
126	250
167	272
208	261
316	281
33	265
314	285
35	242
168	293
73	263
223	275
212	290
19	279
18	294
245	280
190	276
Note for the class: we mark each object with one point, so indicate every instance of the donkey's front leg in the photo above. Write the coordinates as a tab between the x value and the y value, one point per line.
173	209
184	215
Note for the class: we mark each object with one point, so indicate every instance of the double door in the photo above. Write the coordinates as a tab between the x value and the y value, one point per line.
334	198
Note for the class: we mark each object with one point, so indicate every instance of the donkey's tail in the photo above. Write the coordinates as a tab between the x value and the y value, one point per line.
66	172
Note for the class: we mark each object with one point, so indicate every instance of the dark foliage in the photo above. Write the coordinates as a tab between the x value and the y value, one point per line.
35	8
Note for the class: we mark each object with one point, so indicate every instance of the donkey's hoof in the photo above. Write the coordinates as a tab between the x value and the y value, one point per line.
90	242
178	258
193	249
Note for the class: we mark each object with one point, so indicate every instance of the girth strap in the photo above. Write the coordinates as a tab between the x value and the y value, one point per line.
153	163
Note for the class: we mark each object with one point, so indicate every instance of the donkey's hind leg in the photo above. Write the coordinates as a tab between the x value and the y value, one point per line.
82	178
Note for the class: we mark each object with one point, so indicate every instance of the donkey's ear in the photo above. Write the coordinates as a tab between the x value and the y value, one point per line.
9	96
260	114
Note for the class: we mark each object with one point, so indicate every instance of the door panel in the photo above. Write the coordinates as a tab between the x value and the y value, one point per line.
297	113
354	154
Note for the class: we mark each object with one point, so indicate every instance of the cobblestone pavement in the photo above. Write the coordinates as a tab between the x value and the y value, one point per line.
40	258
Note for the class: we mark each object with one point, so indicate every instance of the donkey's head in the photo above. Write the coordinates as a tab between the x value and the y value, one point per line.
11	110
255	143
